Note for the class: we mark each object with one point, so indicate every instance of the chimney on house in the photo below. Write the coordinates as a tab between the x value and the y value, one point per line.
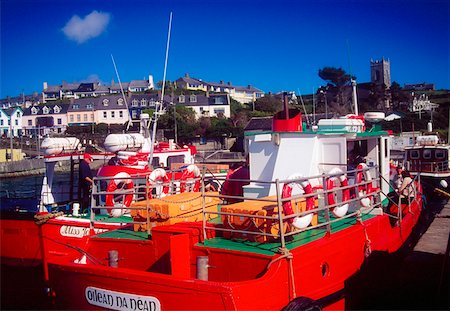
221	81
229	83
186	75
249	86
151	84
207	94
44	85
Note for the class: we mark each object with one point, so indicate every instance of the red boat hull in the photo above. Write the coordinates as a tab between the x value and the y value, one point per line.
23	240
160	273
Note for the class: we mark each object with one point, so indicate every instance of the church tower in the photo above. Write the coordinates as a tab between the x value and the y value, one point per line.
380	72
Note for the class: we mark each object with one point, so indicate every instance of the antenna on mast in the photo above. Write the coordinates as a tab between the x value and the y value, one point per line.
130	122
304	108
159	105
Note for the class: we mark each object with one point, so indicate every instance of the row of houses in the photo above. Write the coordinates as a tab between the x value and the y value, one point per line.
54	117
94	89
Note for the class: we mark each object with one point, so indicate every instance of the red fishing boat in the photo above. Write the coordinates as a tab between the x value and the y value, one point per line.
24	238
297	229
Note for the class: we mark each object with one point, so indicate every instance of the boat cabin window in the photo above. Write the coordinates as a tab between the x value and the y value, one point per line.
414	154
175	159
155	161
440	154
427	153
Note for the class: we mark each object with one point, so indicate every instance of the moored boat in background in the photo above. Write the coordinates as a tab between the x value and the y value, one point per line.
430	159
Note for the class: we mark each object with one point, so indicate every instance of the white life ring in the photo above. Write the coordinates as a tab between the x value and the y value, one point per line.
156	177
123	179
366	189
303	221
340	210
192	171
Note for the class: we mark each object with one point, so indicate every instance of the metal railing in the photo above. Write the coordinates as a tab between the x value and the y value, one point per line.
281	221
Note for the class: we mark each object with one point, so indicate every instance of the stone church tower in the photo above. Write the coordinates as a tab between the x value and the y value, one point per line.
380	72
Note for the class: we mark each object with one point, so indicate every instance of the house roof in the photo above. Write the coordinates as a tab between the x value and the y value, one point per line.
190	80
259	124
138	83
51	107
10	111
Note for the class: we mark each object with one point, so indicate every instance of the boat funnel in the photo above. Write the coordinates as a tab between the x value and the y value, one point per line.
292	124
288	120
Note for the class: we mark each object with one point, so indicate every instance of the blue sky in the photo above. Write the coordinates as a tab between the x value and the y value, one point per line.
272	45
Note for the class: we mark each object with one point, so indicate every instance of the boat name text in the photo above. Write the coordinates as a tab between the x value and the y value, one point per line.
121	301
77	232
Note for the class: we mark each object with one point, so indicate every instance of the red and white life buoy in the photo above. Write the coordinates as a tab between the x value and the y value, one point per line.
304	221
191	172
155	179
120	181
363	171
340	210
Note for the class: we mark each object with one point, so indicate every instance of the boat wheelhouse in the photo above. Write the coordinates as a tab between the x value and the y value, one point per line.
430	159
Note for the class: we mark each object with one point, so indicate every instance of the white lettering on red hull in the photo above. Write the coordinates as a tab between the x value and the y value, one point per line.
77	232
121	301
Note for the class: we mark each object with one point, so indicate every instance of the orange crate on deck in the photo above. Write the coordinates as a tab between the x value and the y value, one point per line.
182	207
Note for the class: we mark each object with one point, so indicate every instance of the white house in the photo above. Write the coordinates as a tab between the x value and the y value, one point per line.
211	105
11	121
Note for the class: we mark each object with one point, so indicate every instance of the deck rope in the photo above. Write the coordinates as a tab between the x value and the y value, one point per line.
285	253
367	246
41	219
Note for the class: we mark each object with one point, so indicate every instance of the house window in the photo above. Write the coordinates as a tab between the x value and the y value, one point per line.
56	109
113	114
133	114
9	122
105	102
120	101
120	114
71	118
85	117
30	122
181	99
59	121
17	122
1	122
143	102
75	106
89	106
219	111
34	110
134	103
45	110
18	115
78	117
105	115
193	98
152	103
92	117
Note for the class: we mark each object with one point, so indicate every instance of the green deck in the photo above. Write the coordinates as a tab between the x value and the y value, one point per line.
124	234
294	241
266	248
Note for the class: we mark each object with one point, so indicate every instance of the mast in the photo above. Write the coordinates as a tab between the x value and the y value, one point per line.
354	96
159	105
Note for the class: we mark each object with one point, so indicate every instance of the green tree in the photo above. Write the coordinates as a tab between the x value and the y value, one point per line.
268	103
337	80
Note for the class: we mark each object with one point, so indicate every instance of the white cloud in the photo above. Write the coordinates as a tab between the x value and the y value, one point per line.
83	29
